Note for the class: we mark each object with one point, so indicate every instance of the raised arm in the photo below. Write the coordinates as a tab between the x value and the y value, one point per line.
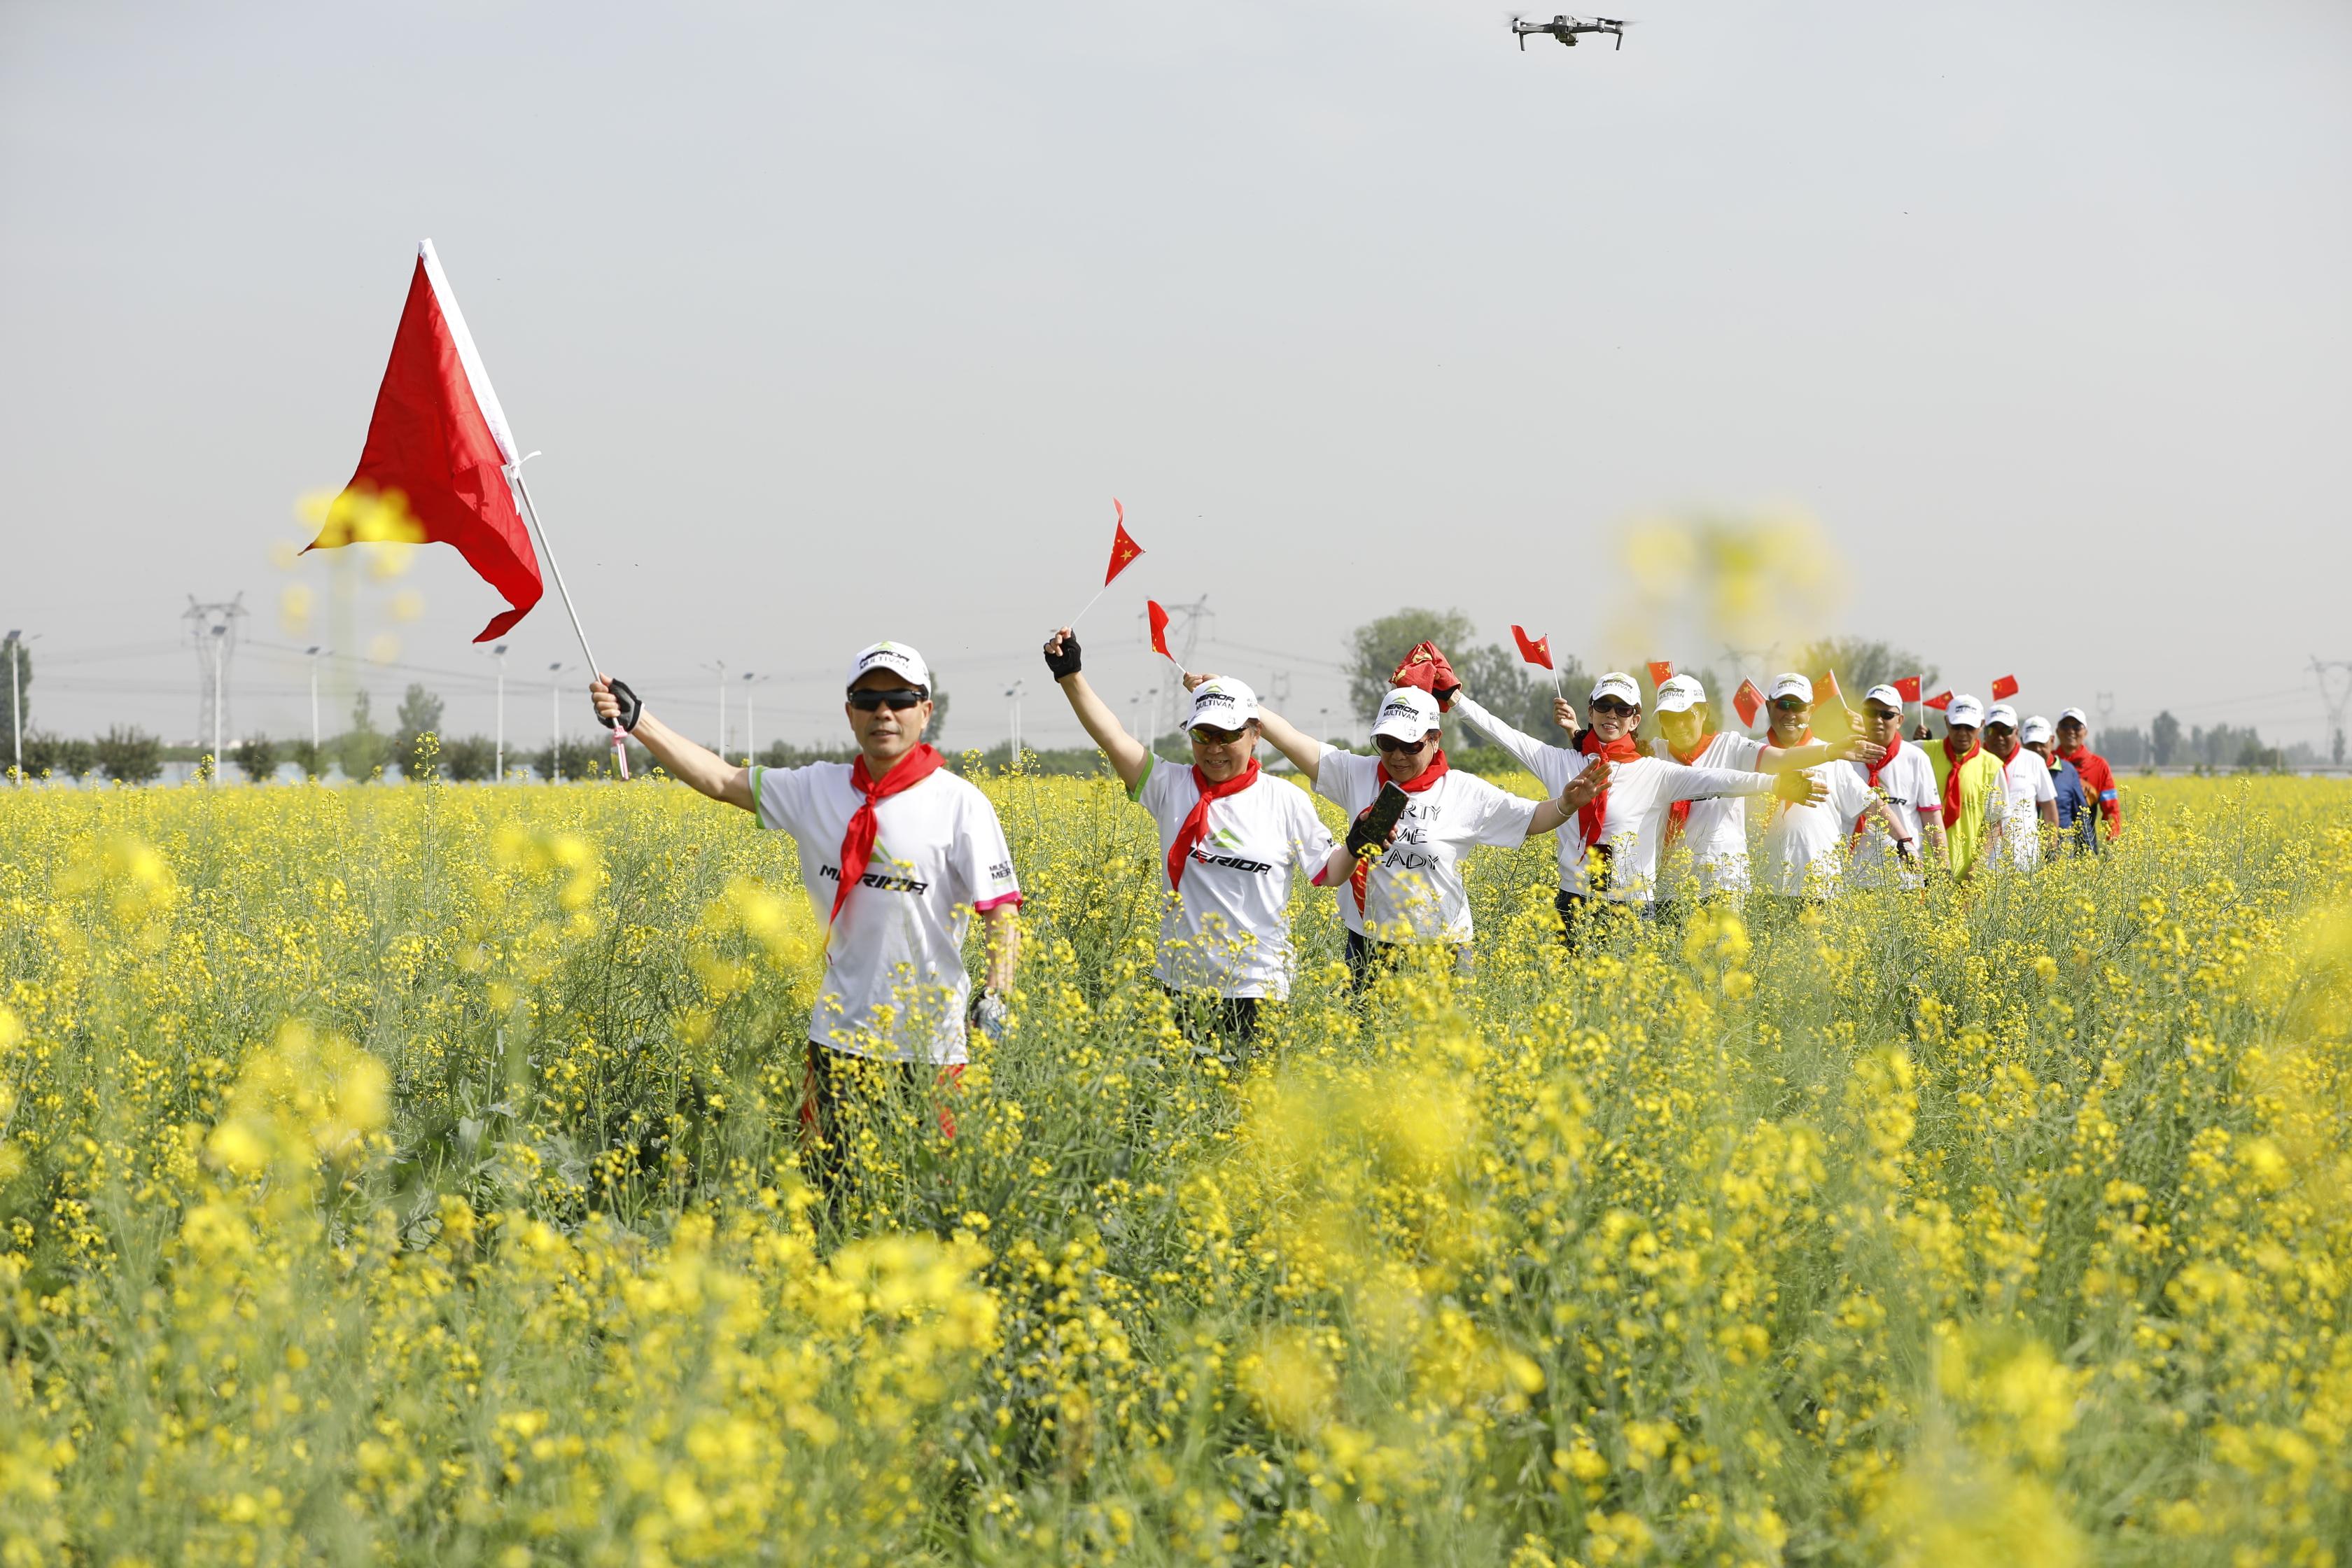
1129	756
1523	746
1814	753
1305	752
696	766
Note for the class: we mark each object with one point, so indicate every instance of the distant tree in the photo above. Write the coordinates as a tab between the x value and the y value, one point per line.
77	758
258	756
572	761
16	709
1517	692
2126	747
469	759
419	715
362	748
131	755
1377	648
312	758
938	715
2164	738
40	754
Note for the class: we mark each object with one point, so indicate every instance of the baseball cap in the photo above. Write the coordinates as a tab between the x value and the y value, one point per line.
1223	703
2001	713
896	657
1680	694
1886	695
2036	729
1407	713
1791	685
2077	715
1964	710
1617	684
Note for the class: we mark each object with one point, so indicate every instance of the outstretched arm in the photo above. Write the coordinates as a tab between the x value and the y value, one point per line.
1129	756
1523	747
696	766
1552	814
1814	753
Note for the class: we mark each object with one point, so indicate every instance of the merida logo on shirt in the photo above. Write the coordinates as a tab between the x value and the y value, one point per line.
1231	862
881	881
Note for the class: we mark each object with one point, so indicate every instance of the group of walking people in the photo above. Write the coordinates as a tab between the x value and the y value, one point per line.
899	855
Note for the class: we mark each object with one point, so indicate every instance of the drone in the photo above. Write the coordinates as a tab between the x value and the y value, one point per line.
1565	29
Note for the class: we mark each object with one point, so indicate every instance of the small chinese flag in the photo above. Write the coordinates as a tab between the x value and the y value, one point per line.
1832	719
1535	650
1749	702
1661	671
2004	688
1907	688
1159	629
1941	700
1123	547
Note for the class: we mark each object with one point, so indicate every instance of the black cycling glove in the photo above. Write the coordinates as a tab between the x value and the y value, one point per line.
1064	664
631	709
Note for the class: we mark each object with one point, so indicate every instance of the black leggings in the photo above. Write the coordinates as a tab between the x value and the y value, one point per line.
1586	922
1367	959
1217	1025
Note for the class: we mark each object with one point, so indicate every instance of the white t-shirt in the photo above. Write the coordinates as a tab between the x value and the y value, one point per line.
1633	819
1227	930
1804	846
1907	782
895	985
1414	892
2016	824
1715	833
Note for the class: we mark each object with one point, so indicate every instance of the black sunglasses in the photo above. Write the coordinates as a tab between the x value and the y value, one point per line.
1210	735
897	699
1391	743
1791	704
1614	709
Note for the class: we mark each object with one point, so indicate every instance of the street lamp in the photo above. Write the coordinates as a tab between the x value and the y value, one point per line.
14	643
554	724
313	651
499	768
1013	691
220	696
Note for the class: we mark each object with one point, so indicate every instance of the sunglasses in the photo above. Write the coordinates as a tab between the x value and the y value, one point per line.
1390	744
1791	705
897	699
1210	735
1614	709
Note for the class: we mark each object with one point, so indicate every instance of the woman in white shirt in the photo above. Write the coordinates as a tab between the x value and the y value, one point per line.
1413	894
1229	841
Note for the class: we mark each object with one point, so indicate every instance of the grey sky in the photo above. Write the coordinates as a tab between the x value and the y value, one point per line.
837	323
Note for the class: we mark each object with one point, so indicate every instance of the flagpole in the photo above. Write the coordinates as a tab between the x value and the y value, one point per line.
1090	604
596	670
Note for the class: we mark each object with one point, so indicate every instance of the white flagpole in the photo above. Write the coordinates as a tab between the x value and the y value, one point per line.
523	489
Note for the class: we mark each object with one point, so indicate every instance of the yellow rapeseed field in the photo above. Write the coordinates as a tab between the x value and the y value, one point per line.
409	1176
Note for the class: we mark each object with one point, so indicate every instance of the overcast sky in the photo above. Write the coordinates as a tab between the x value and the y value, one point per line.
837	323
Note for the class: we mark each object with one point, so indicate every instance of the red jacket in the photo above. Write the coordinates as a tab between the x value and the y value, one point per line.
2100	779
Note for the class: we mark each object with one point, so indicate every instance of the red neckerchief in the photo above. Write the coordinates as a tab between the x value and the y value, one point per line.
1361	875
1592	812
858	844
1678	813
1952	779
1196	821
1875	769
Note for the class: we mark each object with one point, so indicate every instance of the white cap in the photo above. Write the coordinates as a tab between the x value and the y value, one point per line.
1680	694
1407	713
1223	703
1884	694
1617	684
895	656
2036	729
2077	715
2000	713
1791	685
1964	710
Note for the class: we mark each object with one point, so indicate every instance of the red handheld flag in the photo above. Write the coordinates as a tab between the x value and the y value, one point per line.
1749	702
439	440
2004	688
1941	700
1159	629
1123	547
1907	688
1661	671
1535	650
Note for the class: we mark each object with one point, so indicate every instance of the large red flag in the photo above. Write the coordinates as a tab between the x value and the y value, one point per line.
1159	628
2004	688
439	440
1941	700
1123	547
1907	687
1749	702
1535	650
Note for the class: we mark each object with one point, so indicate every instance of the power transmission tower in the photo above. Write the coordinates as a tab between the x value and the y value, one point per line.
212	632
2334	678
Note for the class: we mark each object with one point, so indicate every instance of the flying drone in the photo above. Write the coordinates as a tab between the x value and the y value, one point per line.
1565	28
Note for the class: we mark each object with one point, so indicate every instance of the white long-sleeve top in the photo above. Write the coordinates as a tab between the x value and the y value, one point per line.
1633	824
